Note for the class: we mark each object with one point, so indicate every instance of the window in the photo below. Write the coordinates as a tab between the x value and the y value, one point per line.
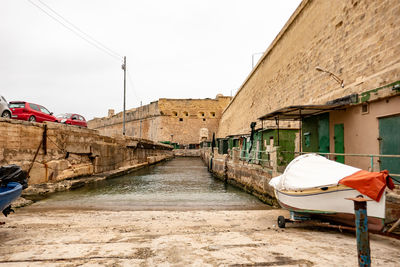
180	119
204	119
44	110
186	113
364	108
201	114
212	114
17	105
174	113
34	107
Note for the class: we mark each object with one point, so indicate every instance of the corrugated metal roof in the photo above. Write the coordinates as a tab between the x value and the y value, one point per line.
297	112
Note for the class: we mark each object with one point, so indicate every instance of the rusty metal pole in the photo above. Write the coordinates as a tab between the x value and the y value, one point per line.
363	249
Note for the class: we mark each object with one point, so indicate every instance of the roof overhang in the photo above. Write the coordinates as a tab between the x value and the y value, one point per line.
293	113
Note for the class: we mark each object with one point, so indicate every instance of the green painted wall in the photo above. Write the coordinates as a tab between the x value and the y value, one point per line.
286	143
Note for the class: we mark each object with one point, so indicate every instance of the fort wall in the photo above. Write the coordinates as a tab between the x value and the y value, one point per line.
183	121
355	40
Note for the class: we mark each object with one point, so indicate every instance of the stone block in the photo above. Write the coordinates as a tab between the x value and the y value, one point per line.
38	174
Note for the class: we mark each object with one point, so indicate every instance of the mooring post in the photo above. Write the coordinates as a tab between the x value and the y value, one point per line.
360	210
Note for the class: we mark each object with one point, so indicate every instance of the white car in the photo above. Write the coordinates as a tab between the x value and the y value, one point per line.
5	111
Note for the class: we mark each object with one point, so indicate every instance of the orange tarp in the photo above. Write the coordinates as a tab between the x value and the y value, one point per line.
371	184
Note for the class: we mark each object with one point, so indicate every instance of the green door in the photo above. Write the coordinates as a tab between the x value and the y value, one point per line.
390	143
323	133
339	141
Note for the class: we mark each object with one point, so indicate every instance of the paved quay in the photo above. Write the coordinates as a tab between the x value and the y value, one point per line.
177	238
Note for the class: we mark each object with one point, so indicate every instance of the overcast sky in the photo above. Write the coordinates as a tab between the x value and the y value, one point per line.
174	49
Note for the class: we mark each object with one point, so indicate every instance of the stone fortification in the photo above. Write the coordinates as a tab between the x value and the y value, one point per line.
356	40
65	152
182	121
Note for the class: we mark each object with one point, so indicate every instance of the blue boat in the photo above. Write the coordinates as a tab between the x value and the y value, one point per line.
8	194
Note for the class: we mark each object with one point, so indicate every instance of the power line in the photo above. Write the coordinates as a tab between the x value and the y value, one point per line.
131	82
93	43
81	31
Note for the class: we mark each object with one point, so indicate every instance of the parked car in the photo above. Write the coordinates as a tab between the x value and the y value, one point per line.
72	119
5	111
25	111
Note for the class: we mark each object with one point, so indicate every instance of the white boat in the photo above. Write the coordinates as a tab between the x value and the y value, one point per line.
314	187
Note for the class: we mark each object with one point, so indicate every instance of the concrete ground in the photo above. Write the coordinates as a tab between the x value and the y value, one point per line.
177	238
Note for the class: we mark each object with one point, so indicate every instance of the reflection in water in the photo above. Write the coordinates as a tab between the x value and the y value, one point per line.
179	184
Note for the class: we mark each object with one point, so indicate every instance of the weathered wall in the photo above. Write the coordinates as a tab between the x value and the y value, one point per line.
71	151
252	178
141	122
184	118
168	120
356	40
186	152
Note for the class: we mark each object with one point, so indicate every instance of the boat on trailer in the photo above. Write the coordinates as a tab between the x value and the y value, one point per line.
315	188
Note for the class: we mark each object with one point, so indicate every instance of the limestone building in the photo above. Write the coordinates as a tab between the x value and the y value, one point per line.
184	122
344	55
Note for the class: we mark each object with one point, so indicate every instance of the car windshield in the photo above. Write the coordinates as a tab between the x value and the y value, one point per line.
17	105
64	116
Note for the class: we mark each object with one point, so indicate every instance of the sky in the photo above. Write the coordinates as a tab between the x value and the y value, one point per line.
174	49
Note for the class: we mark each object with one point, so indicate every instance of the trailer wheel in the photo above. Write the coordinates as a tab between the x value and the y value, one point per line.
281	222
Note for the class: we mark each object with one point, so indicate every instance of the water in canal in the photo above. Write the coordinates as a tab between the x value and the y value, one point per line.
179	184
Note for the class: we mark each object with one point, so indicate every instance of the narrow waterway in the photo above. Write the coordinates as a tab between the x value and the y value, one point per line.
179	184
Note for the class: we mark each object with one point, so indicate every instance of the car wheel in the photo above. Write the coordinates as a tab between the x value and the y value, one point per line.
6	114
32	118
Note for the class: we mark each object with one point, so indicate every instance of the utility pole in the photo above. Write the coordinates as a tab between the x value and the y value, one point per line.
141	113
123	123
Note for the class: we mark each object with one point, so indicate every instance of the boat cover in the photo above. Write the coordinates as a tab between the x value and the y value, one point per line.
312	170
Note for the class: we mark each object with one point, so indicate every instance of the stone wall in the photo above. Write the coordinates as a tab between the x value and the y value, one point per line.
356	40
187	152
141	122
252	178
70	151
183	121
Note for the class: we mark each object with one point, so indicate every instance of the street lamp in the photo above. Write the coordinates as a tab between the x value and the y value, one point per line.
336	78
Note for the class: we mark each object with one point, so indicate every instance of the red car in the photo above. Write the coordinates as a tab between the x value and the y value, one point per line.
30	112
72	119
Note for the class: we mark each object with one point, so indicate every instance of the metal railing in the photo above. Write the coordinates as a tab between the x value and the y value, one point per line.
256	157
371	156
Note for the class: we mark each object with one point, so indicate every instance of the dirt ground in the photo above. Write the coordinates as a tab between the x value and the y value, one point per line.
177	238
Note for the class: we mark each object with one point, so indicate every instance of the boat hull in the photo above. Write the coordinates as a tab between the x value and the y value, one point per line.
9	193
330	203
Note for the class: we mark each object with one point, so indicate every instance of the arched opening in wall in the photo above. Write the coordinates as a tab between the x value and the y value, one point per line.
186	113
174	113
212	114
180	119
204	119
201	114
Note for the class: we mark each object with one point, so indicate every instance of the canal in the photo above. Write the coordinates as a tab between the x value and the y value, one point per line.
178	184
